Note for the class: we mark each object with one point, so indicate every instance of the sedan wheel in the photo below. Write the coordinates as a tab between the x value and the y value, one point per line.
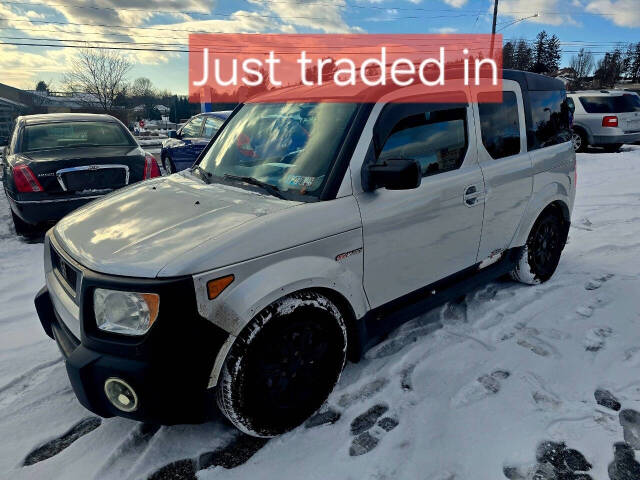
168	166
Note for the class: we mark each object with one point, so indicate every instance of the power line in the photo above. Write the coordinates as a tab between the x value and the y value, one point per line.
289	3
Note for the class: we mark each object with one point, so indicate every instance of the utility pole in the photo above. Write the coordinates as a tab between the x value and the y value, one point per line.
493	30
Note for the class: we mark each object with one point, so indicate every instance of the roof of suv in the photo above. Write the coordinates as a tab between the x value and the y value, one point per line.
601	93
66	117
528	82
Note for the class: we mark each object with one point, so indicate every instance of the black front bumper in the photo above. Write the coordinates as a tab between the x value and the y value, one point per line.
169	368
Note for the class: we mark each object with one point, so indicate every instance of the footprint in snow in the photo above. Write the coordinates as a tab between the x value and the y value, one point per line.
586	311
365	392
607	399
624	465
554	461
482	387
369	428
323	417
56	445
236	453
596	283
630	421
537	346
594	339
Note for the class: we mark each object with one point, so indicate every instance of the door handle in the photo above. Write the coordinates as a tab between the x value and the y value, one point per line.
471	196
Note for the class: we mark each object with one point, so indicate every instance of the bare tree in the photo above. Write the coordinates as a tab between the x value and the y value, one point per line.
582	64
142	87
100	73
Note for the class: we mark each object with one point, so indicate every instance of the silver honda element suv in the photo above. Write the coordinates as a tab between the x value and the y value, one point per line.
304	233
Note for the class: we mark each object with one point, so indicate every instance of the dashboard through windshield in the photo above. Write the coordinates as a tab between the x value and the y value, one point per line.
289	146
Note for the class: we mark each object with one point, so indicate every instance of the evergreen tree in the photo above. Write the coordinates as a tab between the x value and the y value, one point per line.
508	55
523	56
553	54
540	53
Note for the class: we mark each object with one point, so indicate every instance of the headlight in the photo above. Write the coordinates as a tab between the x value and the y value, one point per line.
127	313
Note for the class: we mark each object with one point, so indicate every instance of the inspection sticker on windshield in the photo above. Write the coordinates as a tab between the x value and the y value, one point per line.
301	181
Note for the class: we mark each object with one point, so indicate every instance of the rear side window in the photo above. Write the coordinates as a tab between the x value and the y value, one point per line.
436	139
550	119
500	125
612	104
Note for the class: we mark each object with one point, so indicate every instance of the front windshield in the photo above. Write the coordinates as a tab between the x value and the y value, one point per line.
290	146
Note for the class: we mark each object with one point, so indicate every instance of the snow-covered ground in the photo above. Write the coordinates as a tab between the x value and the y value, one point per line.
497	374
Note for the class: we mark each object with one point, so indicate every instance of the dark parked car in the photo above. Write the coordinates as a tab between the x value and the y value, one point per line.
54	163
183	147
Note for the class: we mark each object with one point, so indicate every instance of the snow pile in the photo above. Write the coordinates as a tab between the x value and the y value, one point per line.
503	383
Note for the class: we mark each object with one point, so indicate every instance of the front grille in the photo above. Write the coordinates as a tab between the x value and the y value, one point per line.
65	270
102	179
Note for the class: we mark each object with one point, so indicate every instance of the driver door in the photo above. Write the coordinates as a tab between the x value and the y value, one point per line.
413	238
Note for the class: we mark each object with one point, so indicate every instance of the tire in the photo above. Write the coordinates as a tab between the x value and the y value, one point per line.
580	141
540	256
168	165
614	147
283	365
23	228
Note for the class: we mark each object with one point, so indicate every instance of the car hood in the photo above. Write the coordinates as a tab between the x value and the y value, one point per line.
140	229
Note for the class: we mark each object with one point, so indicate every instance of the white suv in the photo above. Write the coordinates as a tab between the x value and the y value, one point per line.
304	234
605	118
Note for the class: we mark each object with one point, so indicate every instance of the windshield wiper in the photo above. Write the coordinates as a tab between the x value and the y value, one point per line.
267	187
205	175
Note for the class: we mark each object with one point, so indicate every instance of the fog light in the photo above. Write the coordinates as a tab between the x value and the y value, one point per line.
121	395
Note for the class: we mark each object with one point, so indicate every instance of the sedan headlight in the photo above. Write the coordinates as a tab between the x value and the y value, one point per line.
127	313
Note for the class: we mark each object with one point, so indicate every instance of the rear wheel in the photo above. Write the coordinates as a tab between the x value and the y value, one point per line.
541	254
283	365
580	142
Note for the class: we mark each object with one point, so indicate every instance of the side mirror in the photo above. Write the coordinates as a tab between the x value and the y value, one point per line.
173	134
395	174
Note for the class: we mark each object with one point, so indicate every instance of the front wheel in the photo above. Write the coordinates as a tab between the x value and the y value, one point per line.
169	167
540	256
283	365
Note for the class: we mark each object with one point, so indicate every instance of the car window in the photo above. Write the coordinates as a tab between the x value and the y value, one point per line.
500	125
192	128
436	139
550	119
634	98
211	126
610	104
291	146
74	134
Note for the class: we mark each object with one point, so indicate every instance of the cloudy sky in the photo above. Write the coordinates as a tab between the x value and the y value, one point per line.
165	24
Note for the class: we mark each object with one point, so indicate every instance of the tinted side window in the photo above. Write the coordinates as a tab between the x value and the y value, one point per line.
500	125
551	119
192	128
436	139
613	104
